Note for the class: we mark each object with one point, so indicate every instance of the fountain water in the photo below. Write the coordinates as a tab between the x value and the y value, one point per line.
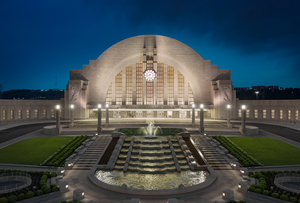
151	130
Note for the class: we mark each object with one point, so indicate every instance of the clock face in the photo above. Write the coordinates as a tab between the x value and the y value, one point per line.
149	75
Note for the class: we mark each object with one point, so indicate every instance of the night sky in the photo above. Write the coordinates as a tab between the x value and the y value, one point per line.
258	40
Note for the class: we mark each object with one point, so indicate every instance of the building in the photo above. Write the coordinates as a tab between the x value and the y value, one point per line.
150	76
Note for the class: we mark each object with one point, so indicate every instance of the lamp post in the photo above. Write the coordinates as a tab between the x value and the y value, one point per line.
257	92
99	129
201	130
228	116
107	115
243	127
72	116
193	114
58	129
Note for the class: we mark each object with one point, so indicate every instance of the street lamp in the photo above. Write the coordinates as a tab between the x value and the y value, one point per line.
107	115
99	129
72	116
201	130
257	92
228	115
243	127
57	130
193	114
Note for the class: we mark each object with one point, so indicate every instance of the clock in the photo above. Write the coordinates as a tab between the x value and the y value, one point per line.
149	75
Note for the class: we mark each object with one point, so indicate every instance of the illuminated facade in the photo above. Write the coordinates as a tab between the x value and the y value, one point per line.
150	76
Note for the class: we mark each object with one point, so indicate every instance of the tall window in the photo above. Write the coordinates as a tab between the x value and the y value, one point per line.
52	113
247	113
12	114
296	115
4	114
44	113
281	114
149	85
273	113
108	95
36	113
170	85
20	114
119	89
160	83
191	96
60	113
264	113
180	89
255	113
240	113
27	113
129	85
289	114
139	83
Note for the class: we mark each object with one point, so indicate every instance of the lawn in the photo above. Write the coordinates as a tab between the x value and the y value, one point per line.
269	152
31	151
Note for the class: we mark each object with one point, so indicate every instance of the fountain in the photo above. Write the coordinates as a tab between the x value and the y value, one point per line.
150	162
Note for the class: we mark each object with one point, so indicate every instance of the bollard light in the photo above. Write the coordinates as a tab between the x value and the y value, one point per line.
82	193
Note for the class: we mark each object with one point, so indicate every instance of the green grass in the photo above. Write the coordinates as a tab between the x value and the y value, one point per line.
269	152
31	151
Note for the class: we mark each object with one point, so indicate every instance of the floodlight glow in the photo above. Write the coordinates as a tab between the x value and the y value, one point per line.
242	171
228	106
72	106
257	92
224	194
99	106
243	107
193	105
240	186
201	106
57	107
67	186
106	105
82	193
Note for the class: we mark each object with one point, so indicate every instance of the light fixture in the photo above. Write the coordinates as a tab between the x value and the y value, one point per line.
243	107
228	106
257	92
67	186
224	194
193	105
106	105
239	186
201	106
57	107
82	193
99	106
72	106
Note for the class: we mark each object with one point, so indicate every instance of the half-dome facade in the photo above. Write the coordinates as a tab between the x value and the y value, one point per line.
150	76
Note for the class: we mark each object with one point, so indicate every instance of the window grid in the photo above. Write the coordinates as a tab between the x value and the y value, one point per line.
129	85
190	95
139	83
281	114
170	85
27	113
273	113
52	113
149	85
240	113
247	113
180	89
20	114
108	95
11	114
296	115
255	113
264	113
119	89
36	113
44	113
160	83
4	114
289	114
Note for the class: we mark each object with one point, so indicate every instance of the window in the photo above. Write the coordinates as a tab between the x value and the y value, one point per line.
296	115
273	113
11	114
27	113
139	83
4	114
264	113
191	96
180	89
170	98
149	85
247	113
240	113
44	113
255	113
60	112
52	113
129	85
281	114
36	113
119	89
160	83
108	95
289	114
20	114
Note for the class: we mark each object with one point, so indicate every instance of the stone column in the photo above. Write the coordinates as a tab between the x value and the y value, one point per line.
58	128
193	115
228	116
99	129
107	116
201	130
72	116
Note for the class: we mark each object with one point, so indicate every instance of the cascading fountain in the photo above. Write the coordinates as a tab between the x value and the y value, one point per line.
150	130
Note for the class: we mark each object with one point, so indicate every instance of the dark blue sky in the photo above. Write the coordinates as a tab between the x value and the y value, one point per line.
258	40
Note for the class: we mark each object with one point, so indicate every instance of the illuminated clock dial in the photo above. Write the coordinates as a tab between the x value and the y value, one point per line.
149	75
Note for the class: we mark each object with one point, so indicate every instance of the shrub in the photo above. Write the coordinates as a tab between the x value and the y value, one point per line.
274	194
257	190
47	190
53	174
54	189
39	192
12	198
251	188
284	197
52	185
293	199
29	194
266	192
21	196
3	200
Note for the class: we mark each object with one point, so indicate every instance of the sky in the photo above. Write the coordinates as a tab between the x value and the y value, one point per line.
40	41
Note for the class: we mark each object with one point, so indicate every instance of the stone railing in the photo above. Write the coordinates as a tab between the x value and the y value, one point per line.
25	178
285	178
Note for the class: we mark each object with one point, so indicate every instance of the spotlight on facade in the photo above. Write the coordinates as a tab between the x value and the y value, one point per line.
72	106
228	106
257	92
106	105
201	106
57	107
243	107
193	105
99	106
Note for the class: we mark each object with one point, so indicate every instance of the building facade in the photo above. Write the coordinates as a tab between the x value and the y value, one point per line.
150	76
